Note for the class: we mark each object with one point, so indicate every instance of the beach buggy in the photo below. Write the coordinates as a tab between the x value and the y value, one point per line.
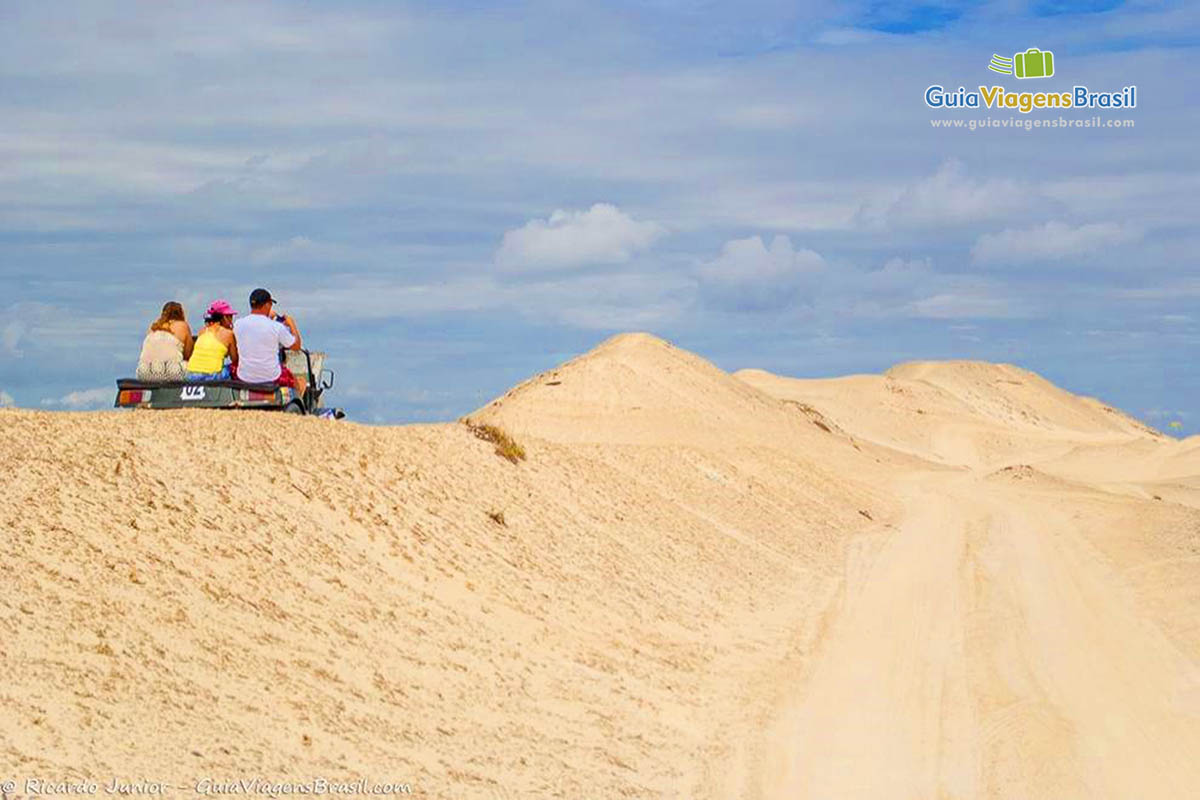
133	393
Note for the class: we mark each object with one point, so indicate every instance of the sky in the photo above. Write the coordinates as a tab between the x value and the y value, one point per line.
451	197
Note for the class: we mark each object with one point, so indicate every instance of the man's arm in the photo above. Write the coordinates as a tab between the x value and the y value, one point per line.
291	326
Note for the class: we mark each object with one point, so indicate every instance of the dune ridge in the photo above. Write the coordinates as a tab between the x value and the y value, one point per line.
950	580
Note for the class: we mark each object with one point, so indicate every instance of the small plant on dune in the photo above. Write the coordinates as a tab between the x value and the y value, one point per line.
505	446
497	517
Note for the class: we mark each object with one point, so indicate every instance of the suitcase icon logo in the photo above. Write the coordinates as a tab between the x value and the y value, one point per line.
1033	63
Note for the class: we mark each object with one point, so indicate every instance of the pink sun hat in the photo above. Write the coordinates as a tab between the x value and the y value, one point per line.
220	307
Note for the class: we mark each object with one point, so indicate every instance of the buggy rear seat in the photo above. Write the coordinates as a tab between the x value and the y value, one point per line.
133	383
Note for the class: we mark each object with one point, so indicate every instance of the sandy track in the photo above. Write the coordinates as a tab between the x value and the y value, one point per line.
883	713
989	652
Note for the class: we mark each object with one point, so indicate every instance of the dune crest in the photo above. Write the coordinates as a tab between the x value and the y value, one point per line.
962	413
1018	396
636	388
949	580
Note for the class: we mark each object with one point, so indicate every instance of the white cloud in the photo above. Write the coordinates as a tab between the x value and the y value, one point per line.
624	301
10	338
898	273
949	195
82	399
6	400
749	276
295	249
1051	241
37	327
611	301
912	288
601	235
373	299
965	304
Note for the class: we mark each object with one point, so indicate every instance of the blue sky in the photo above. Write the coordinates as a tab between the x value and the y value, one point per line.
452	197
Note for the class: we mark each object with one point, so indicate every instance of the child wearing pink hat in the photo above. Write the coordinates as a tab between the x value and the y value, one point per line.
213	344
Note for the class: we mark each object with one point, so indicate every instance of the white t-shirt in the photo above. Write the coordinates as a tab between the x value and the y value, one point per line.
258	341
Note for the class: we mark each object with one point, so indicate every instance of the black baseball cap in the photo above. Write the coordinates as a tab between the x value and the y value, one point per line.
260	297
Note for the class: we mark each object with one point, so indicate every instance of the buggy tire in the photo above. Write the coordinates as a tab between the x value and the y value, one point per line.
294	407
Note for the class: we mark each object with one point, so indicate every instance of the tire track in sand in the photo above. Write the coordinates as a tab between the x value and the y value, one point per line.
987	652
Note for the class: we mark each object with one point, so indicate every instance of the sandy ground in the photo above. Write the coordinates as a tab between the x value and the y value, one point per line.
954	580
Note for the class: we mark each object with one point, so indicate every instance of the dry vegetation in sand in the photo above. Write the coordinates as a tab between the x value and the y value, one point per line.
952	580
506	448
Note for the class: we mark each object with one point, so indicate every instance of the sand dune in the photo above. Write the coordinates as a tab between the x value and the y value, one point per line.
952	580
961	413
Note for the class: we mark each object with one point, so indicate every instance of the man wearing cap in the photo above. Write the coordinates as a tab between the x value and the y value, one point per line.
260	334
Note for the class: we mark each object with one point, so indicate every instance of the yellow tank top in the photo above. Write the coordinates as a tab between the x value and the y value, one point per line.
208	354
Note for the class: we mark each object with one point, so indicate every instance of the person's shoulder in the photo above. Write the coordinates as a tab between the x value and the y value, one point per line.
180	328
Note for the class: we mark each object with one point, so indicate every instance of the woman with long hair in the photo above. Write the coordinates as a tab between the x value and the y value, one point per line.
167	346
